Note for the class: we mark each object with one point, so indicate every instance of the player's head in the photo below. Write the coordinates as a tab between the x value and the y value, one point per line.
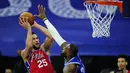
35	41
8	70
122	61
70	51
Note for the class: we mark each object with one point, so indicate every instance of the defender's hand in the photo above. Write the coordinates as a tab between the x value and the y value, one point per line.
41	10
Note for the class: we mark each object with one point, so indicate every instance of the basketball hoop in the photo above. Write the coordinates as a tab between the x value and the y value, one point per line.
101	13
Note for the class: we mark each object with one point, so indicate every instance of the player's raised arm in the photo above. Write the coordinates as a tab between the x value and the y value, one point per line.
48	41
24	22
54	33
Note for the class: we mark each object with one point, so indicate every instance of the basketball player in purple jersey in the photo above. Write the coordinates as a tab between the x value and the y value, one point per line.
73	63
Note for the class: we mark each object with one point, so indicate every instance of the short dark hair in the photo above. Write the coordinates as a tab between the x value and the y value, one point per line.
123	56
73	50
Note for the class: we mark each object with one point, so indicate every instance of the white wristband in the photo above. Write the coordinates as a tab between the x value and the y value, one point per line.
54	33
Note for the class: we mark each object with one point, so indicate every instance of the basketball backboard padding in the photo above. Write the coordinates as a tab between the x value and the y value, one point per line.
126	8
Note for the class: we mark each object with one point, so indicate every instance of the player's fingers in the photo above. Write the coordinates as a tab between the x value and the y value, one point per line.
39	8
21	20
20	23
42	8
26	19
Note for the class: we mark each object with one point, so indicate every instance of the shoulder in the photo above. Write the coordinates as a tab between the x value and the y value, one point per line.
70	68
24	56
74	60
22	53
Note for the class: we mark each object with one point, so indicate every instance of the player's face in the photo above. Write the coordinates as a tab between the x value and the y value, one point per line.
121	63
65	51
36	43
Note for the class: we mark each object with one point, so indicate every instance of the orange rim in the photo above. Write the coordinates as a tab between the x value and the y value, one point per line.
117	3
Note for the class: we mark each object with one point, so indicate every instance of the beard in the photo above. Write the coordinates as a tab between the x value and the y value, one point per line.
36	48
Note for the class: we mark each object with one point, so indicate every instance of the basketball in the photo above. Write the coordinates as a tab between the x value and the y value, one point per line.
29	15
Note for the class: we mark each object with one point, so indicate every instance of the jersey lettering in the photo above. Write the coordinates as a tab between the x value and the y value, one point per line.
42	63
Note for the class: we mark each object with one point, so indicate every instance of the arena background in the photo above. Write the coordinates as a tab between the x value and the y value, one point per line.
71	20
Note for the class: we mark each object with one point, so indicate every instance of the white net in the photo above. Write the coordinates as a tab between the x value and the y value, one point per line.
101	17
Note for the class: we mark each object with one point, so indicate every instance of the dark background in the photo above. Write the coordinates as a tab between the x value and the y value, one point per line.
93	64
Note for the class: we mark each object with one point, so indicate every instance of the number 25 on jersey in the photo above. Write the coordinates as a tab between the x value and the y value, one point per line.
42	63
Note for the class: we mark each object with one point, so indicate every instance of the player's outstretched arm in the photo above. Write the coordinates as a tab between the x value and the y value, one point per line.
24	22
48	41
54	33
71	68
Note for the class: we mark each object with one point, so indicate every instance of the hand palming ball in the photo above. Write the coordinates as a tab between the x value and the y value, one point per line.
29	15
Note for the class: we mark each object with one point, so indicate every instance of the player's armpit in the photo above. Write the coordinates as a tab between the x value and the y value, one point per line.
25	54
47	45
71	68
